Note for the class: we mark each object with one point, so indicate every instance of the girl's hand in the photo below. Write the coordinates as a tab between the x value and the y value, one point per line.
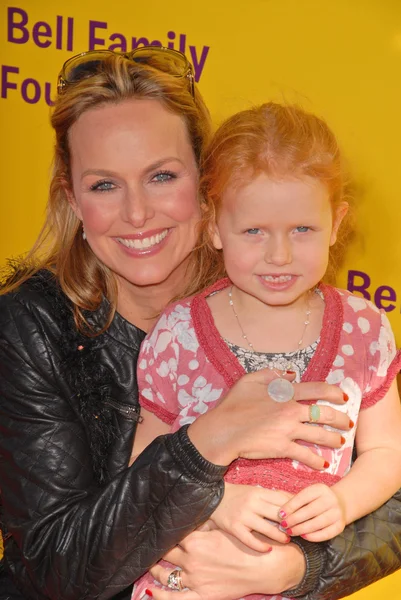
245	508
217	566
316	513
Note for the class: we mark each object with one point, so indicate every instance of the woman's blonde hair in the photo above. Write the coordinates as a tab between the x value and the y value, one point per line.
280	141
60	247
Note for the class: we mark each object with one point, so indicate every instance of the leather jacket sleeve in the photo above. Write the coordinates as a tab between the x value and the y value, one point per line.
68	536
366	551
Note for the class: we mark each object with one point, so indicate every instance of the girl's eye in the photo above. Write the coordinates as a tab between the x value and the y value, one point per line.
253	231
102	186
163	176
302	229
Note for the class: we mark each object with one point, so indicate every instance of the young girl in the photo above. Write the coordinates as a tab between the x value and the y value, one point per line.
275	198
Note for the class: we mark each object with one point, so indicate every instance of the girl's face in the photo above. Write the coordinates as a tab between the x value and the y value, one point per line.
276	235
134	186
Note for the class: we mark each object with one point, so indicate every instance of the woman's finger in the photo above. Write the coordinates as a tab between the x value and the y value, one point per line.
319	436
326	415
269	530
244	535
161	574
319	390
159	594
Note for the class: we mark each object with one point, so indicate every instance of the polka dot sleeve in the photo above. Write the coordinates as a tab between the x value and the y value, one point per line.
383	361
157	371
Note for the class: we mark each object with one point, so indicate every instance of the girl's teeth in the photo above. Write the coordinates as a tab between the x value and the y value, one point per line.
144	242
279	279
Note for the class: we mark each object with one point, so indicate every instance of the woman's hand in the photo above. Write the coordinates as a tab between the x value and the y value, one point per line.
248	423
217	566
316	513
245	509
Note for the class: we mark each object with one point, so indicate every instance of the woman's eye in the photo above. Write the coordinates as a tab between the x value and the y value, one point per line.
302	229
253	231
102	186
163	176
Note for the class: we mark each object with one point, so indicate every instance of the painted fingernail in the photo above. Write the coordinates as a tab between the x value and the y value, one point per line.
149	593
287	541
305	537
282	514
269	550
284	524
345	397
290	372
289	531
342	439
326	464
351	423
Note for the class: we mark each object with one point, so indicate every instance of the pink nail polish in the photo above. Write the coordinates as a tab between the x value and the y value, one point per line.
289	531
269	550
282	514
284	524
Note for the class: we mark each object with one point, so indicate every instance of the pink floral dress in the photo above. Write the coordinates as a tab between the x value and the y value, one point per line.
185	368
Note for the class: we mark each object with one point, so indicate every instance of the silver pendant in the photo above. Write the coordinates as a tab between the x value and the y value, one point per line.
280	390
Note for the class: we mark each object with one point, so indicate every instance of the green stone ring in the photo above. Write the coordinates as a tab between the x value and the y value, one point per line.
314	413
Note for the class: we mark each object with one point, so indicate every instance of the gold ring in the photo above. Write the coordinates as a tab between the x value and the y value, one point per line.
174	581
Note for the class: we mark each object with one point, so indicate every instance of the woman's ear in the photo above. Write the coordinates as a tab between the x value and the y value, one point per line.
339	213
71	200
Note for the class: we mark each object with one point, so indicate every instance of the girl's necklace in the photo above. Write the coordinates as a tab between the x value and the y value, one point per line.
280	390
245	337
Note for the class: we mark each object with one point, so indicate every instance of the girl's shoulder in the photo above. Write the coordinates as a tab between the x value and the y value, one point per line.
356	306
181	309
361	316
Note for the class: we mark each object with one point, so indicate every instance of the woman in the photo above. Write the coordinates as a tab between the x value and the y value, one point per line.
117	246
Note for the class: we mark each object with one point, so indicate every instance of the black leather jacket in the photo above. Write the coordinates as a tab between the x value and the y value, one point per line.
80	524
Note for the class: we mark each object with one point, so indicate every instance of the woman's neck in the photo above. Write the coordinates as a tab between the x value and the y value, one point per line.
141	305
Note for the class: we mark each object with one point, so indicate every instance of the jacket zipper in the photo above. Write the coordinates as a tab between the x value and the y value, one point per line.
130	412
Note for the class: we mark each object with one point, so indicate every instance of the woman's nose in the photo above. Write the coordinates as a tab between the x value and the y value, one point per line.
137	208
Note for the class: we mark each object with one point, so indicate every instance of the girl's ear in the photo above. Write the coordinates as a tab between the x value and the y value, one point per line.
339	214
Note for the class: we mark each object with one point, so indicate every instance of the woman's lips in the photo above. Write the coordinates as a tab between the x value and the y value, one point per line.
145	243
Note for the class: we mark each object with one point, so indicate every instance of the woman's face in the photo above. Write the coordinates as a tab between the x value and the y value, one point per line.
135	188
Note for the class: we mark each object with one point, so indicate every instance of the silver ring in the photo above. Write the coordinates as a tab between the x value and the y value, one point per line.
174	581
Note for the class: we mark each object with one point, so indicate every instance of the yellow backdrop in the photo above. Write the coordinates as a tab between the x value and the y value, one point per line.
340	59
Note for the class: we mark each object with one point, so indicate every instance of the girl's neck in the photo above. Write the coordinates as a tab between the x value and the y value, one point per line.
267	328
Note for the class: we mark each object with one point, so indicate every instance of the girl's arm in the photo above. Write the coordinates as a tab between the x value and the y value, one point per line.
320	513
376	474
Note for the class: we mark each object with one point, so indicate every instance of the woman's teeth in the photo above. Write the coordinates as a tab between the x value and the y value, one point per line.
144	243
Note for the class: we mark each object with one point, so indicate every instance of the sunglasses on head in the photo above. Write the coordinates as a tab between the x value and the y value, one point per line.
166	60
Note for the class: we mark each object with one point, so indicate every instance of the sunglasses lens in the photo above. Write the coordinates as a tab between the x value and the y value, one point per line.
82	67
161	59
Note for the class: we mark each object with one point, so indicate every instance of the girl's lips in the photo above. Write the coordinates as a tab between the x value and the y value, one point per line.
278	282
